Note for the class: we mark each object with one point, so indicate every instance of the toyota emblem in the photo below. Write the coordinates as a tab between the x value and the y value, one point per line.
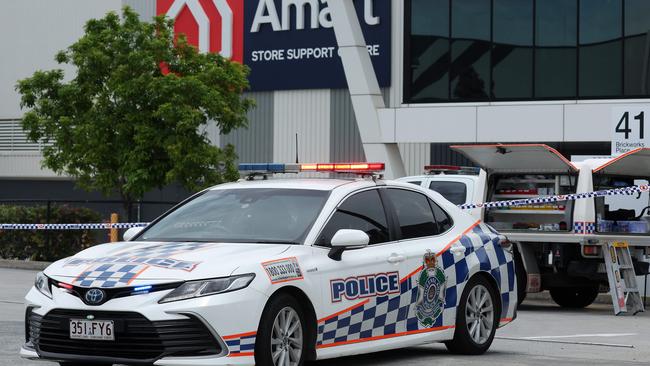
95	296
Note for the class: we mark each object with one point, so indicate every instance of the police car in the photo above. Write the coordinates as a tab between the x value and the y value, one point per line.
277	272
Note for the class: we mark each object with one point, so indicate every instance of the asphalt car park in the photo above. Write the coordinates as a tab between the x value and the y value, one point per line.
542	334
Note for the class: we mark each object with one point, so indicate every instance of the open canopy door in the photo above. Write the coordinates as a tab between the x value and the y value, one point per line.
517	158
635	163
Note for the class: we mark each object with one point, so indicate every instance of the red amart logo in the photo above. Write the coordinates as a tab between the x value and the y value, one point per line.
210	25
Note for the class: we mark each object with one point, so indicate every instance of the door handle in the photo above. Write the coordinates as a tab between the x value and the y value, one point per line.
457	249
396	258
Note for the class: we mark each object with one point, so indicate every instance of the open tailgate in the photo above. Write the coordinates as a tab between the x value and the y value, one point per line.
516	158
635	163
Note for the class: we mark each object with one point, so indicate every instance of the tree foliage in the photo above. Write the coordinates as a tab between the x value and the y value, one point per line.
121	123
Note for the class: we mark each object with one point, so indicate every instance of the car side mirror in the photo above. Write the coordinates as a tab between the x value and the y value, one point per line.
131	232
347	239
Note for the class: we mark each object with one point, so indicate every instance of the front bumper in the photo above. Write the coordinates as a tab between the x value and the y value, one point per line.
231	319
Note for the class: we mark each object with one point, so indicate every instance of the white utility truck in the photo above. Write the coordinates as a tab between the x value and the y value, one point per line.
574	248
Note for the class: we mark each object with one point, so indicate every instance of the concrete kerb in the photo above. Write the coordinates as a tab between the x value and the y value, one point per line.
23	264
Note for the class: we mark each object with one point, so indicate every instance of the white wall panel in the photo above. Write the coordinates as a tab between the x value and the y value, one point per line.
520	123
441	124
415	157
32	31
307	113
588	122
24	166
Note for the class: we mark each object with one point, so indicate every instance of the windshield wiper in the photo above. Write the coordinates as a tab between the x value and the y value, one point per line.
273	242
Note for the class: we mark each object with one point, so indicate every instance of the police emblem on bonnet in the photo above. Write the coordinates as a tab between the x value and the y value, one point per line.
431	291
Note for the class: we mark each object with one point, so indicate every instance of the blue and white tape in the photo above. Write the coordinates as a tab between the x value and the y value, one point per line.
91	226
467	206
558	198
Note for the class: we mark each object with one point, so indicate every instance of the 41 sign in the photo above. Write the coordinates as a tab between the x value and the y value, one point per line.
628	128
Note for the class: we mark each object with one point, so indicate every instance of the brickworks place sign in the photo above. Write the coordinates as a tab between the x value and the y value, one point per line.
288	44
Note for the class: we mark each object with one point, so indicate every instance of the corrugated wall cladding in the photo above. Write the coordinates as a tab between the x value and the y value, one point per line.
146	8
307	113
441	154
255	143
345	141
415	156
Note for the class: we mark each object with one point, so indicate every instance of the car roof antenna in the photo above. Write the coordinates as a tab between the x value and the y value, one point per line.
297	160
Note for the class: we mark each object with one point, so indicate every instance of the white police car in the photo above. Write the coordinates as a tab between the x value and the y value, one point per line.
276	272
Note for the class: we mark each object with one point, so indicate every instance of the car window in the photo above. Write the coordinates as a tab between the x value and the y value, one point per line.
362	211
442	218
413	213
255	215
455	192
416	182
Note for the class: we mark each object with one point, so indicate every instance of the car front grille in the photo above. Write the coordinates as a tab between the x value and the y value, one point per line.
137	339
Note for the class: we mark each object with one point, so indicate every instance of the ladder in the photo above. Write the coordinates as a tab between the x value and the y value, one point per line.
622	279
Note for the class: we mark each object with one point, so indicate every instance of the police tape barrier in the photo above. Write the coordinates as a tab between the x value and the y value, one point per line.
92	226
467	206
558	198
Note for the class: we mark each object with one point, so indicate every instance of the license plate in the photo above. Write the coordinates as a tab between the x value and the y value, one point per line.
98	330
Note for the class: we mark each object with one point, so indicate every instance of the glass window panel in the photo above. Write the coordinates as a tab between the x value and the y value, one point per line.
600	60
512	55
637	47
470	49
413	213
363	211
555	52
429	50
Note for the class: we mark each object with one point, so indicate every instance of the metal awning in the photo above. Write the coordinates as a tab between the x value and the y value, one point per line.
517	158
635	163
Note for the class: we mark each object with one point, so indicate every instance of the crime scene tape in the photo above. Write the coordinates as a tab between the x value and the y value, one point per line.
558	198
467	206
91	226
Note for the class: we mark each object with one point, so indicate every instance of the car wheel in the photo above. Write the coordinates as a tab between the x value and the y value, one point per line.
574	297
477	318
281	339
522	279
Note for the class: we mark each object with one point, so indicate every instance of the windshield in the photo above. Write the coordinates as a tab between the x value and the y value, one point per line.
256	215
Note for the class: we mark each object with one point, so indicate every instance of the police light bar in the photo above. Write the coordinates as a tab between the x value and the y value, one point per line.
451	169
344	167
268	168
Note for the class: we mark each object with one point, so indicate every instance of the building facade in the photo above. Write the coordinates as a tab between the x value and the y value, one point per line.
450	71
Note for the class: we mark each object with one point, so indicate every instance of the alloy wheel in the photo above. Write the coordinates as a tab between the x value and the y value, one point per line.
286	338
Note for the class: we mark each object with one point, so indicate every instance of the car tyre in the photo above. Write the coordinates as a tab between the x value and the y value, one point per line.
522	278
574	297
282	335
477	318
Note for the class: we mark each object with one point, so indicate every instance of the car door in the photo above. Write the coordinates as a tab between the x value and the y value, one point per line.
425	232
353	286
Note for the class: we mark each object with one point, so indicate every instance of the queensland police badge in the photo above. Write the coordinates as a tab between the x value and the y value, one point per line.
431	291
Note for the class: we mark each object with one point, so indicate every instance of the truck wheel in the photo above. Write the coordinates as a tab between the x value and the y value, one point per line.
522	278
281	339
477	318
574	297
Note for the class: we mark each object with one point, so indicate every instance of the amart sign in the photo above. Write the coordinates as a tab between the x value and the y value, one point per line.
288	44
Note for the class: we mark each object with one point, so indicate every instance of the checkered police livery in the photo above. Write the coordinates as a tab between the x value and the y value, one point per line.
580	227
240	344
109	275
123	267
395	315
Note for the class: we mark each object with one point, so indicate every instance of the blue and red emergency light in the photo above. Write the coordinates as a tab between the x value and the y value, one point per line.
267	168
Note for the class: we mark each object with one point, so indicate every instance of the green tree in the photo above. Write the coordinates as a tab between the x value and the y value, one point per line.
122	124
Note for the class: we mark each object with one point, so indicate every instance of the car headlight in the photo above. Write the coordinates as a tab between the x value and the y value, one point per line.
42	284
193	289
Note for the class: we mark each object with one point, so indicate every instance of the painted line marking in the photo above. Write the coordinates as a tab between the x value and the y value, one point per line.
567	342
584	335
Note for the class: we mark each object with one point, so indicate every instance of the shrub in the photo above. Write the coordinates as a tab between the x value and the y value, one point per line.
45	245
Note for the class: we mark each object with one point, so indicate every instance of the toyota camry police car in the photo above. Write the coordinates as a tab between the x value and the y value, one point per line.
276	272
